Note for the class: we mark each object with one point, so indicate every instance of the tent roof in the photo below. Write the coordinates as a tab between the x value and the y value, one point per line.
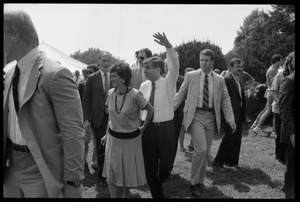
67	61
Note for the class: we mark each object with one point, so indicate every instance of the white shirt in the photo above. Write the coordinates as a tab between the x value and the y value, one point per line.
165	89
210	89
25	65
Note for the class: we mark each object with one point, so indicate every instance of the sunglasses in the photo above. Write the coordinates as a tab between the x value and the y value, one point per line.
141	58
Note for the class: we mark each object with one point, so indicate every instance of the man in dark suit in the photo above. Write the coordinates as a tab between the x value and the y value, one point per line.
287	115
229	149
95	115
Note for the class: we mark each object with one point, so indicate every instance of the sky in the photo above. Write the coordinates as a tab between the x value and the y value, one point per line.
122	29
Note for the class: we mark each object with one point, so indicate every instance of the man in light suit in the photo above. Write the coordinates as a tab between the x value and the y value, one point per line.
205	93
229	150
138	75
43	132
94	98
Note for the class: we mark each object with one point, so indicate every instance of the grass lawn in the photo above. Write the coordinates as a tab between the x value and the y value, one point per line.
261	176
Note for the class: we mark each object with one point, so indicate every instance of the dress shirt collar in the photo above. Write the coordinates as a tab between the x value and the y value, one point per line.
235	78
202	73
28	59
158	81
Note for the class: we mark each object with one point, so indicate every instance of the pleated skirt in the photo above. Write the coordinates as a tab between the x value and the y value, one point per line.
124	162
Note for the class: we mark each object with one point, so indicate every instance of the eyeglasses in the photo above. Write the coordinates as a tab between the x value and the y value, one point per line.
141	58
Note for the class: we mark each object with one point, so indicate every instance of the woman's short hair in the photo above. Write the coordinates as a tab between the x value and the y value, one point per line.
20	22
123	70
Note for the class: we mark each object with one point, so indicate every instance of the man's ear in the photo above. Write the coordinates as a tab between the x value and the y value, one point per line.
15	36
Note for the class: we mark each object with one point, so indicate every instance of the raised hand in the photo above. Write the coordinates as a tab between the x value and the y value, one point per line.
162	40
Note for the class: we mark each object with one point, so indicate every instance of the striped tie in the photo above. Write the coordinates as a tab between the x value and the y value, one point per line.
205	93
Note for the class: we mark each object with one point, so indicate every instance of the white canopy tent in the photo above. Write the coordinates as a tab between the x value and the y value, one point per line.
71	63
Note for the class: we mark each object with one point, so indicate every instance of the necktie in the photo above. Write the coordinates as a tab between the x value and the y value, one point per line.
105	84
15	88
205	93
239	87
151	99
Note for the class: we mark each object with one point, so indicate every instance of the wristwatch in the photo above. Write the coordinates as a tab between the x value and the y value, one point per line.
74	183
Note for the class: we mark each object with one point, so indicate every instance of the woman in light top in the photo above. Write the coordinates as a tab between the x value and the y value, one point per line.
124	163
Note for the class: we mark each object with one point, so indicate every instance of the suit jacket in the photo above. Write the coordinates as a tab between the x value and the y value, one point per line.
137	77
190	89
239	110
94	99
50	119
287	107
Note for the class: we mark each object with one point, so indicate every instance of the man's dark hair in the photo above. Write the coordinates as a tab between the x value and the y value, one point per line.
276	58
156	62
208	52
146	50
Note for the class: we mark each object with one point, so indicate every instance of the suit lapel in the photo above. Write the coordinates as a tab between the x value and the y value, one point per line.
216	89
33	79
235	85
196	87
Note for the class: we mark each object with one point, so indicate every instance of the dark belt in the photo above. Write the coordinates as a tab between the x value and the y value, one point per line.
21	148
205	109
158	123
119	135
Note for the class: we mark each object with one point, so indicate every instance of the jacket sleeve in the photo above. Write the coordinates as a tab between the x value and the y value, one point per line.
181	94
287	106
68	112
87	98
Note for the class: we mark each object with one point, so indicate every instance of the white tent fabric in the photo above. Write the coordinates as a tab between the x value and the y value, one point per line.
57	55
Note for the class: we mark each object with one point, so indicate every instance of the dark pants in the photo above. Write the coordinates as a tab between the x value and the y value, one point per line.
289	177
279	146
177	121
99	133
229	149
158	148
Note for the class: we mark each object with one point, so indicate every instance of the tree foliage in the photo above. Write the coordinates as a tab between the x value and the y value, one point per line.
263	35
90	56
189	55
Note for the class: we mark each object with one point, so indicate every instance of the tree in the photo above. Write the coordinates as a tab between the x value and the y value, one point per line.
189	55
90	56
263	35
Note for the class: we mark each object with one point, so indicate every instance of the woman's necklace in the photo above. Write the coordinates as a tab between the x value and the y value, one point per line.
124	97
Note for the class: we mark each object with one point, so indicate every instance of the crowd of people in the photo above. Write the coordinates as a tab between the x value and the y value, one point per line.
130	114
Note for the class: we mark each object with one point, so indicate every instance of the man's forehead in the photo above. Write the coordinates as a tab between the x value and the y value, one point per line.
105	56
142	54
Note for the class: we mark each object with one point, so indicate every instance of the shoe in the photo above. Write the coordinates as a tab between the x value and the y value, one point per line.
182	149
273	134
252	127
257	131
102	181
217	165
191	148
202	188
234	166
195	190
94	166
